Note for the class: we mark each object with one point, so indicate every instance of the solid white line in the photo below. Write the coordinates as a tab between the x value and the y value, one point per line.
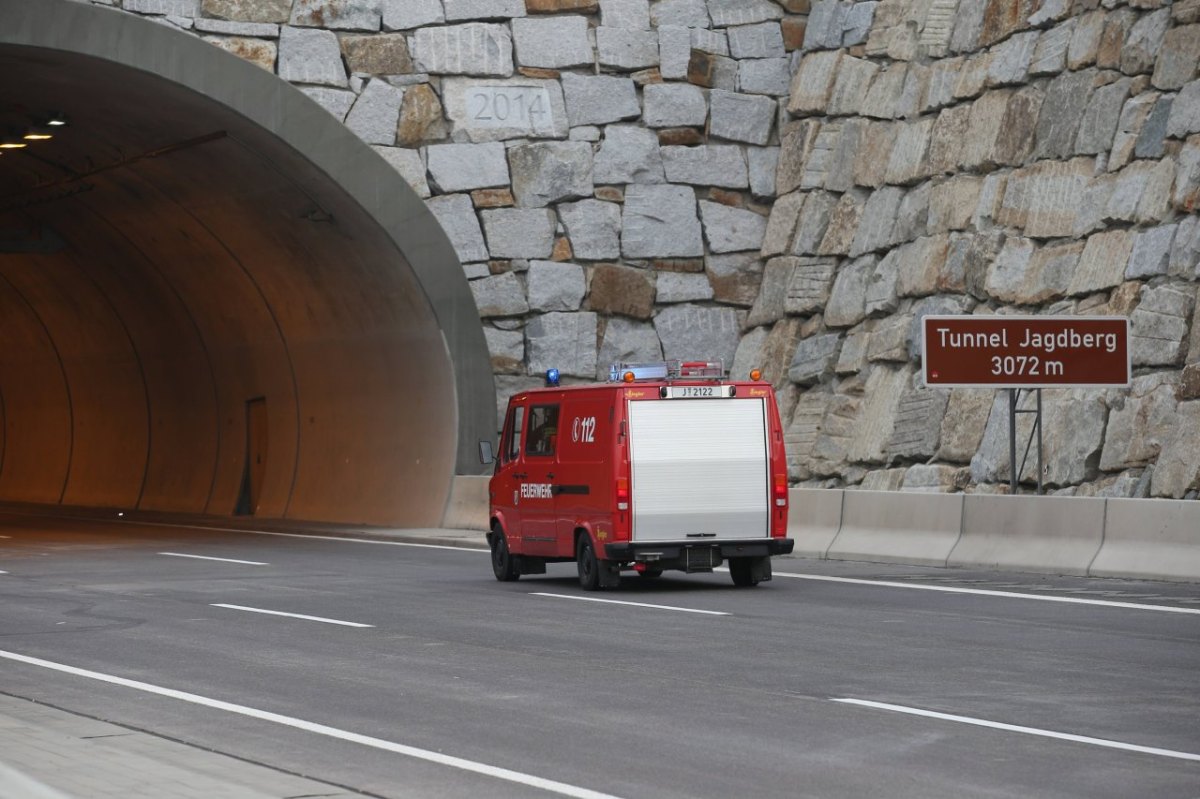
320	729
291	615
223	560
1063	736
633	604
984	592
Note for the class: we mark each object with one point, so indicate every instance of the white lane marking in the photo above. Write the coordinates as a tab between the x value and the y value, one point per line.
206	557
985	592
518	777
633	604
995	725
290	615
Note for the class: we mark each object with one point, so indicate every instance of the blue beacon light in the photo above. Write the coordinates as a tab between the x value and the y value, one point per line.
551	377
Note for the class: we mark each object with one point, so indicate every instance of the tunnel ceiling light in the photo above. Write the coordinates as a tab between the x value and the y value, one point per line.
37	135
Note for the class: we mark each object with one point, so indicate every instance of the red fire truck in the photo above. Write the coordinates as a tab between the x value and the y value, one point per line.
666	466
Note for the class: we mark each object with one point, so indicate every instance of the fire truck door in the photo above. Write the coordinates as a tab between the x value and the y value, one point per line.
509	475
537	495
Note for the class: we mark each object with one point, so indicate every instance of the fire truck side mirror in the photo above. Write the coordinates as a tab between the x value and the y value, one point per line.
485	453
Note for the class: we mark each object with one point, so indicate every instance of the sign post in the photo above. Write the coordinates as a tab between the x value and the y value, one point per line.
1025	353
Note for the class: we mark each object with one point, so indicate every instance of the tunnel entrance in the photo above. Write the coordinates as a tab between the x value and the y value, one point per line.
200	232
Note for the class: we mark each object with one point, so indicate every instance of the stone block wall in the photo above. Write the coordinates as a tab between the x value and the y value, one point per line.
794	186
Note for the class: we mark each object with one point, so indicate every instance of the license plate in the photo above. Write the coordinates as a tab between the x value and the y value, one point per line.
699	392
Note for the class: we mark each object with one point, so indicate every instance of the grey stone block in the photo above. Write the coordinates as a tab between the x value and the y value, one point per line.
673	287
814	359
456	214
762	40
463	167
1151	252
409	14
762	162
731	229
499	109
852	85
875	229
770	76
507	349
660	222
1011	59
1062	112
690	332
1152	138
499	295
634	14
563	341
674	51
684	13
552	42
336	101
600	99
594	228
671	105
553	286
547	172
1145	42
1185	251
847	302
627	48
519	232
410	166
1099	123
475	48
458	10
1050	55
728	13
629	154
807	284
1159	326
714	42
310	56
857	23
741	117
627	341
1177	60
826	25
706	165
1185	112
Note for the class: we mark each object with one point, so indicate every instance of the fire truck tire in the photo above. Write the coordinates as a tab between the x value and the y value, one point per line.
742	572
589	565
504	564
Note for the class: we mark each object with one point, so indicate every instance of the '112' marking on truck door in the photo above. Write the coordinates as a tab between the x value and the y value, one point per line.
584	429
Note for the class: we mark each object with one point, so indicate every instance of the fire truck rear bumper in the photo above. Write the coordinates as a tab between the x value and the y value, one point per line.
650	551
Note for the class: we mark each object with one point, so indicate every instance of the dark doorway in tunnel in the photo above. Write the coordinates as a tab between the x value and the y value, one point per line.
256	457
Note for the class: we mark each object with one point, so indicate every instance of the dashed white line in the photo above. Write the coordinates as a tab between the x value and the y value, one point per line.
290	615
995	725
986	592
633	604
529	780
206	557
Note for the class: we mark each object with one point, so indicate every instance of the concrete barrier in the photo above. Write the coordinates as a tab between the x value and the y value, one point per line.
1153	538
467	508
1041	534
814	518
890	526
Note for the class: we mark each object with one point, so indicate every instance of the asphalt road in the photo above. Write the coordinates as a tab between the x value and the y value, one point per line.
833	680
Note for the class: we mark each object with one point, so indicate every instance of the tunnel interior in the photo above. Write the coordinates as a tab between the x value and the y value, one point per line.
196	318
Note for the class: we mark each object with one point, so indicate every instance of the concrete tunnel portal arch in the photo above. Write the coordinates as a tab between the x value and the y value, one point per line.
214	298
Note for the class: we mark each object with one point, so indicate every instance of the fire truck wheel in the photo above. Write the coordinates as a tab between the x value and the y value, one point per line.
589	566
742	572
504	565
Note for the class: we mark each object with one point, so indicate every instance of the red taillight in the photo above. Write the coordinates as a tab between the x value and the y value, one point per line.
781	491
622	493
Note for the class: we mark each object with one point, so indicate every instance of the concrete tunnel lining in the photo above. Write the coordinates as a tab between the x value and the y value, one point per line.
361	329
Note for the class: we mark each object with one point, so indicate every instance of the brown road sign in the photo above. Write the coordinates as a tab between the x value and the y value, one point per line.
1025	351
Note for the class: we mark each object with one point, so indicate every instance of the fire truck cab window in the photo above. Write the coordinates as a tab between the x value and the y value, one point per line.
543	430
512	434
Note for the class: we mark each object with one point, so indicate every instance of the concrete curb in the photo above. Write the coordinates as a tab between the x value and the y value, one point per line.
1159	540
1040	534
814	518
905	528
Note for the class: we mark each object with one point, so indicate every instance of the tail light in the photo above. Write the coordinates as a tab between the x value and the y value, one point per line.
781	491
622	493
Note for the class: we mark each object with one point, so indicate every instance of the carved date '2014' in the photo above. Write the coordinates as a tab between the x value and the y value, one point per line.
509	107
